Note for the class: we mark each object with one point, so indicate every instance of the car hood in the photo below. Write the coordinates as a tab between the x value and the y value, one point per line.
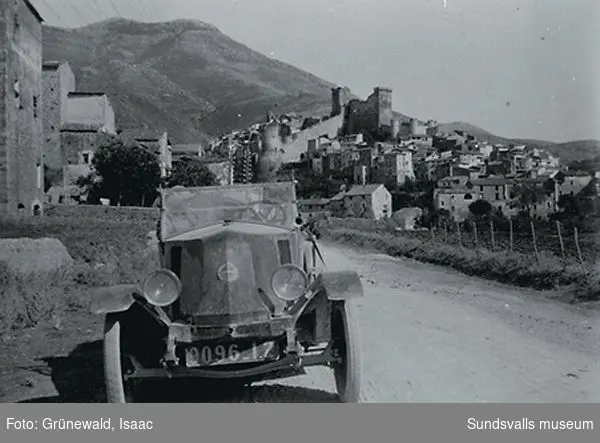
241	228
226	271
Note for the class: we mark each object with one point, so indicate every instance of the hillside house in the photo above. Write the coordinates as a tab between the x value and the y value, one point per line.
455	200
314	208
368	201
79	142
191	150
156	142
394	167
91	108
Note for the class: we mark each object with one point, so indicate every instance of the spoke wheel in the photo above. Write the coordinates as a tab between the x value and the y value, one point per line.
346	333
117	389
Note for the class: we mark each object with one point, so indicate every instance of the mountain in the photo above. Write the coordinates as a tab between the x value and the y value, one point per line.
569	152
184	76
188	78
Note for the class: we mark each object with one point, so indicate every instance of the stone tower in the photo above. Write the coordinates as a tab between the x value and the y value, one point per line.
21	131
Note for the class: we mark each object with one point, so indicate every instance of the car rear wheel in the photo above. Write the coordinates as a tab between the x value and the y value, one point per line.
347	345
117	389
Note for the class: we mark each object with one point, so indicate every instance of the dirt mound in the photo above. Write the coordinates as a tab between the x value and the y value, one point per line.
33	275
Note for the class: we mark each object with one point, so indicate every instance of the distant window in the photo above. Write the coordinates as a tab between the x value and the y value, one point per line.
37	210
468	197
481	188
86	157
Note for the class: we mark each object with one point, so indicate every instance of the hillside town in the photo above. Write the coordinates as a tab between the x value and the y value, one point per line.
56	128
380	154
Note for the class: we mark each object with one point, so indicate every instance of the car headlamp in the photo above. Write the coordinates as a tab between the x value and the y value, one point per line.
289	282
161	288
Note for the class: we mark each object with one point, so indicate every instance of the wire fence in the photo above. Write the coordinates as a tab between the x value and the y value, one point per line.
537	239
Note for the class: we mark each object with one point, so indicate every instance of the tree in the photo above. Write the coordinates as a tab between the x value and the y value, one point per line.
52	176
191	173
527	195
128	175
480	208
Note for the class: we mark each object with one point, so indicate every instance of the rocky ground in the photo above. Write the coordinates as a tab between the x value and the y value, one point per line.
429	335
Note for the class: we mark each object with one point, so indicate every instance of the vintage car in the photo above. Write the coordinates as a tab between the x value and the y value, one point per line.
241	295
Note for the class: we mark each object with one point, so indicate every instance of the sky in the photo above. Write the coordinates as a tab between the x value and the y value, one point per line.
517	68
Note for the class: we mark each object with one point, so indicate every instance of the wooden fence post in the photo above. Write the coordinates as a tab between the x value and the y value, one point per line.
579	255
560	239
534	242
510	228
475	232
459	235
492	234
445	232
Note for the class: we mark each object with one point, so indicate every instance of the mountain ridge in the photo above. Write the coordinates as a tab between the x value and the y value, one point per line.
187	76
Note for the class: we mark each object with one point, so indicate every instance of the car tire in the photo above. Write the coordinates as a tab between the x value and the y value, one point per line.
348	373
117	390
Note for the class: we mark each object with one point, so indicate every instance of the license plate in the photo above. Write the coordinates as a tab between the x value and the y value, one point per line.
228	353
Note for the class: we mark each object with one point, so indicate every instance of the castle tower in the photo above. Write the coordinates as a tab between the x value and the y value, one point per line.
384	104
340	96
58	81
21	130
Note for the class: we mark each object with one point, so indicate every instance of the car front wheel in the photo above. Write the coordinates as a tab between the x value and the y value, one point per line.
117	389
347	346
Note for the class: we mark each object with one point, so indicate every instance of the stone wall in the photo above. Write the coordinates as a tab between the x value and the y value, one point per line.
99	212
293	148
21	132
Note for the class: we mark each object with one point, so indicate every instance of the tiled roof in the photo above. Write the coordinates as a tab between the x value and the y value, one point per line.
363	190
454	190
81	127
314	201
86	94
142	134
190	148
492	181
339	196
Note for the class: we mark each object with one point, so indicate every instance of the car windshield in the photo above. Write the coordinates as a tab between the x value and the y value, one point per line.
185	209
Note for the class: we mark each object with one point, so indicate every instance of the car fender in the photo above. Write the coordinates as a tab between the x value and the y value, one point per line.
340	285
113	299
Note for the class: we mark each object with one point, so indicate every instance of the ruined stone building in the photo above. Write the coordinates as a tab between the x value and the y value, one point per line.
21	131
155	141
374	115
76	123
58	81
340	97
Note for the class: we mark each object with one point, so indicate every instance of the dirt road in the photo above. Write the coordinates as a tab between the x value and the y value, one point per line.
429	335
433	335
